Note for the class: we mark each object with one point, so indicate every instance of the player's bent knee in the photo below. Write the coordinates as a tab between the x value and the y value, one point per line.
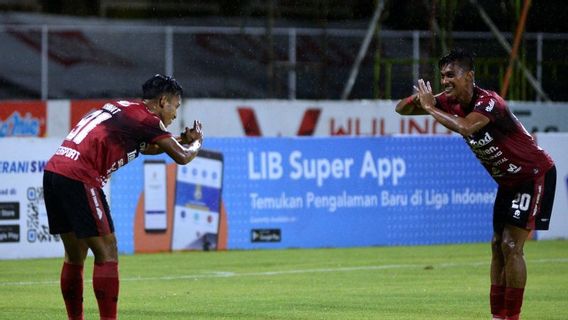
511	248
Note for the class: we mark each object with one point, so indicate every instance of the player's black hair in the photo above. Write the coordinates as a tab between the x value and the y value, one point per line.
160	84
459	56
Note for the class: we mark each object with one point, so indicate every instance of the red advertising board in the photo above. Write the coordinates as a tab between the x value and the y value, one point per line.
23	118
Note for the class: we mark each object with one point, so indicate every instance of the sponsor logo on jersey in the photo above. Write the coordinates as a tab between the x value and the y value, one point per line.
513	168
500	161
68	153
485	140
132	155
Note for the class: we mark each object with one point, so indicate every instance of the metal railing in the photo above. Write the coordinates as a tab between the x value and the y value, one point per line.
112	60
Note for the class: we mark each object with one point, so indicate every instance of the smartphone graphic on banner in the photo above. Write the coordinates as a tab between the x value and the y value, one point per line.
155	198
198	202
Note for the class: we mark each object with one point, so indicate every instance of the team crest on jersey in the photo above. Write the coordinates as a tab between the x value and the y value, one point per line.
490	106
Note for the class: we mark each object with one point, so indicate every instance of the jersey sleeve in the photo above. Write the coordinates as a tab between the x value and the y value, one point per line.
487	106
153	129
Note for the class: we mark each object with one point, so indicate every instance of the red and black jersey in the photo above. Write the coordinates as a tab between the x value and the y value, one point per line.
504	147
105	140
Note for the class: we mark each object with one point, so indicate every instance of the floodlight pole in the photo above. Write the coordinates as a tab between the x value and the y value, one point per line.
362	50
437	29
169	51
515	50
44	62
505	44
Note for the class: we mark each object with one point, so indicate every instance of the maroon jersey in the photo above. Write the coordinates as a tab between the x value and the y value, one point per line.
504	147
105	140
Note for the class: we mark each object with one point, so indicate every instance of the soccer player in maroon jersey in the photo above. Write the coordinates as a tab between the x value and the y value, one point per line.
525	174
102	142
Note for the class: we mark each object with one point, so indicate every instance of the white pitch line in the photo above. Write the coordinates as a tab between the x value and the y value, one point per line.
229	274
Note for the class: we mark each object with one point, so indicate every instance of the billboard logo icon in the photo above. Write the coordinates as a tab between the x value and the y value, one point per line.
10	233
266	235
9	210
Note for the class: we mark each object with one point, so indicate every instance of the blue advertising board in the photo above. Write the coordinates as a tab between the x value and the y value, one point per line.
340	192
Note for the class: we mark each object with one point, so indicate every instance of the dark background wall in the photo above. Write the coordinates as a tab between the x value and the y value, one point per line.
460	15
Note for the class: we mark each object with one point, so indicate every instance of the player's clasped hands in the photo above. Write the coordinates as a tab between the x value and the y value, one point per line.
425	94
193	134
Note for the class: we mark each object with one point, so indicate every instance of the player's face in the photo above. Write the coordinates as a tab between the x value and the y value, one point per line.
455	80
170	105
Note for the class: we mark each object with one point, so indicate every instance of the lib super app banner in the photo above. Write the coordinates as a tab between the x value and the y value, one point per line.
340	192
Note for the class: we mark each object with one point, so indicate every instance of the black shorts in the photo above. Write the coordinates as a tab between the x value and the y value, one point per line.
73	206
527	206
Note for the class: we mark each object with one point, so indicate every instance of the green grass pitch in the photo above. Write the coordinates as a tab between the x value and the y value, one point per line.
422	282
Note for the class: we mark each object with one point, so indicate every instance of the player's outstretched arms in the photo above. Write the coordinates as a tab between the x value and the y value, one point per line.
192	140
410	106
